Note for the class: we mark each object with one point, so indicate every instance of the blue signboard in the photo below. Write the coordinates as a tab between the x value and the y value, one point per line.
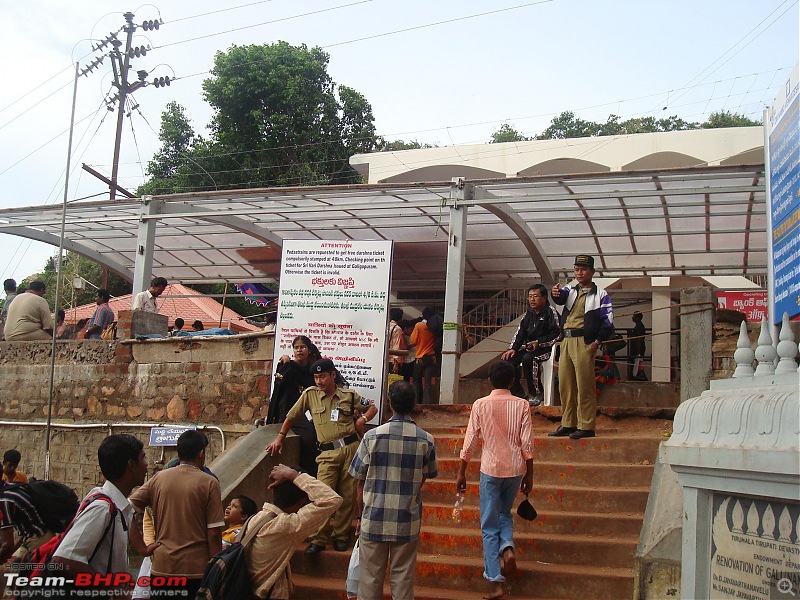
784	185
167	436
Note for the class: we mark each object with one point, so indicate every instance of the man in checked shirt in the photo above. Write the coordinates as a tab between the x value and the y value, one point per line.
391	464
504	423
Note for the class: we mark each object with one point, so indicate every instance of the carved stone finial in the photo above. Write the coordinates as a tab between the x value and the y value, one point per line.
744	355
787	349
765	352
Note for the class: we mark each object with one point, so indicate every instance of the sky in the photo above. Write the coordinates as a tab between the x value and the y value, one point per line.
443	72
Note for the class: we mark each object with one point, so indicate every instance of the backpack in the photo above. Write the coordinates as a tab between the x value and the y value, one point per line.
226	576
35	562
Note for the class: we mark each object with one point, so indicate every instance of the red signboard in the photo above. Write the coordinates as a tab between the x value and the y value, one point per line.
752	304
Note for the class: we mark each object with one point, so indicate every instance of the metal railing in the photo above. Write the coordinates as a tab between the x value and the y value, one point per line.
493	314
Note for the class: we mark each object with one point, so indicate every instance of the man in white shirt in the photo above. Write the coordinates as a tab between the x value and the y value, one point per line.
146	300
97	541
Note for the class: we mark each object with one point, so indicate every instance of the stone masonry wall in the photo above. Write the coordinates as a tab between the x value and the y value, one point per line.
73	452
131	385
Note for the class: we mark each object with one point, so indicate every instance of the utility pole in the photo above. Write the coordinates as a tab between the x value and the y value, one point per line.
120	64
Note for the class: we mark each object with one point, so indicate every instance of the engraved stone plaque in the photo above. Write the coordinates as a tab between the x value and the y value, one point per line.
755	548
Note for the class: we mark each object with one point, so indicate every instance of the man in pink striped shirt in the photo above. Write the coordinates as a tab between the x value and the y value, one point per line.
504	423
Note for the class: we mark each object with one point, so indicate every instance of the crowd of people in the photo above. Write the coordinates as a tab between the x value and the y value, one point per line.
31	319
346	470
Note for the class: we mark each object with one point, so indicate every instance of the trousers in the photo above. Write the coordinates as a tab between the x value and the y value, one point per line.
332	468
576	384
497	525
402	557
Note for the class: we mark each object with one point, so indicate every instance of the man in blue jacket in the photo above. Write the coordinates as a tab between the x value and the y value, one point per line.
587	321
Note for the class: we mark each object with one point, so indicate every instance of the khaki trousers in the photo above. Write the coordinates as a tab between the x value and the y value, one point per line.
332	468
576	384
402	557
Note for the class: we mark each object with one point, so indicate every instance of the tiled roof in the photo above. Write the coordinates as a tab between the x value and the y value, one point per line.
177	301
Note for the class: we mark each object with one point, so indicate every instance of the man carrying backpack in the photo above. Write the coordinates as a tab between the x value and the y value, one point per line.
97	540
187	512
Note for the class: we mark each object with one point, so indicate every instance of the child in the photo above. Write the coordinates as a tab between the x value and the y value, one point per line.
236	513
10	463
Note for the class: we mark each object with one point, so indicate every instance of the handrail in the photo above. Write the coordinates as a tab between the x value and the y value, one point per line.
493	314
110	426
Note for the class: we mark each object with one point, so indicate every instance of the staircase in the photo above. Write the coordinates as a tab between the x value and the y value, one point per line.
590	496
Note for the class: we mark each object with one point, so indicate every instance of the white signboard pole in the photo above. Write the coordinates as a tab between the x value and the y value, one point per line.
337	294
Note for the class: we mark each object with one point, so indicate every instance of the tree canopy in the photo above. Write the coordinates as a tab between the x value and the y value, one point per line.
507	133
567	125
279	119
73	266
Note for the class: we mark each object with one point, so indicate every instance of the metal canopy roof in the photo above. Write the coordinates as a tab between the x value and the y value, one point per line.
698	221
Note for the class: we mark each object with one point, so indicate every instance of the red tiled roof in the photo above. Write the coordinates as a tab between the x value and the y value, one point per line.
189	309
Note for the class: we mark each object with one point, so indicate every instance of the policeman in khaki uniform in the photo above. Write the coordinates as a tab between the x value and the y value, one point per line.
332	409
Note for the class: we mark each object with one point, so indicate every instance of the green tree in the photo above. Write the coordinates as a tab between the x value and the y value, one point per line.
385	145
507	133
74	265
724	118
566	125
172	168
279	119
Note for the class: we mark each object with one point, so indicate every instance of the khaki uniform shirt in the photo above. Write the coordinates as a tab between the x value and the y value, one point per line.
332	415
575	318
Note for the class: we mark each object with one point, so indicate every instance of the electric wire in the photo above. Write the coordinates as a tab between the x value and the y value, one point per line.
700	76
272	22
221	10
485	152
50	198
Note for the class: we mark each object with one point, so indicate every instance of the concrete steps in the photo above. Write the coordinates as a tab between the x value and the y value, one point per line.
440	574
556	473
590	494
548	522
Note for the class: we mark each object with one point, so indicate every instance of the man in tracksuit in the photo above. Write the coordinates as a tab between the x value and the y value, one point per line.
533	343
587	321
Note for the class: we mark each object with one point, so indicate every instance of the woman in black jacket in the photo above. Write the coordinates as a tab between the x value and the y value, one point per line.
291	378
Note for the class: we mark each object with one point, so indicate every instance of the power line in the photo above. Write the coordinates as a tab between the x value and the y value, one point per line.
446	21
489	149
700	74
222	10
315	12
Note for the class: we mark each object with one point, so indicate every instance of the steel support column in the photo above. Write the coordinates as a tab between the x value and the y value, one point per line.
454	290
145	244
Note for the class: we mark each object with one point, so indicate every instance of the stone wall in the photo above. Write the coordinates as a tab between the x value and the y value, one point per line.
127	386
73	452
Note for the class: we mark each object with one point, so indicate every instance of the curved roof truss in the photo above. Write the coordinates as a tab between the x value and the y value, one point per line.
689	221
